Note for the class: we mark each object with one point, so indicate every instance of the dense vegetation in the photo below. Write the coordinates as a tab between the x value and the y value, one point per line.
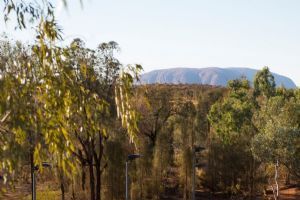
77	110
249	134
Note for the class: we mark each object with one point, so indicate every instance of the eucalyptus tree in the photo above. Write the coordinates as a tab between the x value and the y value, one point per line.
162	158
87	113
64	98
230	116
278	125
206	137
156	108
98	89
277	143
20	96
231	120
184	140
32	74
264	83
264	91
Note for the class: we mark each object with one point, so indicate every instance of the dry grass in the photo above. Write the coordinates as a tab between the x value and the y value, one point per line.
46	195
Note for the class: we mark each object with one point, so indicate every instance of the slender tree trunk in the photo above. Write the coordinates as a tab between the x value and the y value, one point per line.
98	160
62	185
252	178
73	190
83	176
276	189
92	181
112	184
276	178
32	169
62	188
160	171
98	182
156	184
141	183
211	161
185	189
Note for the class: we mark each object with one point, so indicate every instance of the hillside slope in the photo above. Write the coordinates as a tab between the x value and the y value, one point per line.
207	76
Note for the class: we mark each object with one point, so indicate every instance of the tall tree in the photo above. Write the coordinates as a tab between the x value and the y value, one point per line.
156	107
231	120
279	136
264	83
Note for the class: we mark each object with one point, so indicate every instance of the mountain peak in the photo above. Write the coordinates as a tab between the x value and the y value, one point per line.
207	76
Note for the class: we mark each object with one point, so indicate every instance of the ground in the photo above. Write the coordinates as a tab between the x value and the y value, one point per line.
46	192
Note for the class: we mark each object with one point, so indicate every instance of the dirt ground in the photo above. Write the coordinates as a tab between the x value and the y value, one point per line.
18	193
23	193
285	194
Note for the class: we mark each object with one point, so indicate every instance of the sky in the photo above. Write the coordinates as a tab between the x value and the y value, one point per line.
189	33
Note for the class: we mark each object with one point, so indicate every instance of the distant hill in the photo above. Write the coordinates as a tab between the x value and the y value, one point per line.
207	76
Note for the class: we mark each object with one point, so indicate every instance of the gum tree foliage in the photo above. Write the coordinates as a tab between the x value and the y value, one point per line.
280	133
49	108
33	119
155	110
278	124
162	158
184	140
231	121
204	103
279	136
232	116
264	83
88	111
45	88
206	137
28	71
93	78
116	150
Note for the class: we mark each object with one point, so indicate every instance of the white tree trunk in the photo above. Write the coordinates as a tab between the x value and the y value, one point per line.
276	191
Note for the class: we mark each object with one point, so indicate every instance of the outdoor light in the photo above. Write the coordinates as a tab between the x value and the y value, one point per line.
33	182
44	164
133	157
130	157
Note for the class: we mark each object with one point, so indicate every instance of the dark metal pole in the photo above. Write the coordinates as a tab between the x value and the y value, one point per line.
130	157
126	180
33	189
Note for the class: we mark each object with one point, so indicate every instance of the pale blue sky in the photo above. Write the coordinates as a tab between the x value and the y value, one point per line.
192	33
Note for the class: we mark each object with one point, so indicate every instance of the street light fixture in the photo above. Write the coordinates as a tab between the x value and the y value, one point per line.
130	157
33	182
133	157
196	149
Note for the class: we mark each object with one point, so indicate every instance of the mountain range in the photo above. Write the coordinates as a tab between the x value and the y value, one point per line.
207	76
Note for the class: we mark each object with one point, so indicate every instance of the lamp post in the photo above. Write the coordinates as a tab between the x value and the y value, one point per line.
130	157
196	149
33	179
